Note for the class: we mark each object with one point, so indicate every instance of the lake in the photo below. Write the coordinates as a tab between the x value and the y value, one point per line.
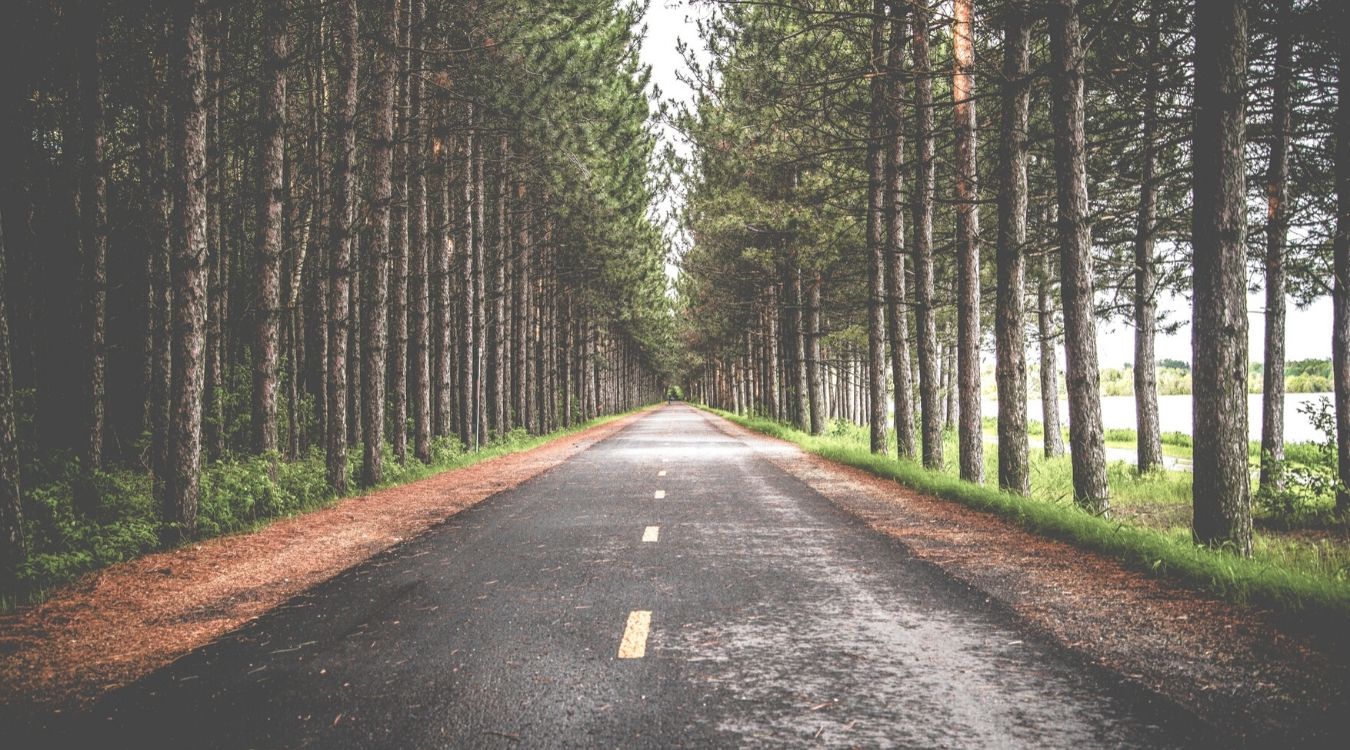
1174	414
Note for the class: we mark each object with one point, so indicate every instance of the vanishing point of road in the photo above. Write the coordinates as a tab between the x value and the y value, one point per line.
669	586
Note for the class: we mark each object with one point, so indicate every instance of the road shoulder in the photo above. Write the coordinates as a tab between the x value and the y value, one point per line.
123	622
1235	667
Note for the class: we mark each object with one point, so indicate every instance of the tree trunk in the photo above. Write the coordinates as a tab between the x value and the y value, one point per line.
441	306
374	302
971	432
1053	438
466	339
876	248
93	227
1219	339
1014	474
340	238
496	393
897	323
1086	440
930	406
1148	432
1340	295
398	249
813	364
13	549
419	341
267	242
181	486
1277	231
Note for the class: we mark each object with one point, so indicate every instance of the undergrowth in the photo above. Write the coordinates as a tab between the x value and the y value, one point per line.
237	495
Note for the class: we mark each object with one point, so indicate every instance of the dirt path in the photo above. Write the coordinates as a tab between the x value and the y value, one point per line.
121	623
1236	667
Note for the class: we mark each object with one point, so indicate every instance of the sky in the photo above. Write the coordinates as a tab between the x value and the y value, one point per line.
1308	331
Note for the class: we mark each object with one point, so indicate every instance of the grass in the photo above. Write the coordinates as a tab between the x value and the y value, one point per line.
1149	530
238	495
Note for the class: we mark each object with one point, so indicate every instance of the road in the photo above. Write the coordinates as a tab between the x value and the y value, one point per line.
667	587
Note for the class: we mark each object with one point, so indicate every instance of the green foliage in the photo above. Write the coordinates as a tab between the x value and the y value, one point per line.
237	495
1306	482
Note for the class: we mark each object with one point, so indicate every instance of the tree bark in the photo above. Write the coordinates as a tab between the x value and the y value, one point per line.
374	302
1087	445
13	547
398	248
1148	432
876	247
813	364
181	486
971	432
1014	473
267	241
1052	434
930	404
1340	295
897	322
419	340
93	227
1277	231
340	239
1222	496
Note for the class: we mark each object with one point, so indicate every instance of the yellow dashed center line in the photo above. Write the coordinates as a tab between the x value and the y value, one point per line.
651	534
634	643
660	494
661	473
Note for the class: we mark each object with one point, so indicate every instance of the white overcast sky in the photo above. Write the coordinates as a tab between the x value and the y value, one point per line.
1308	332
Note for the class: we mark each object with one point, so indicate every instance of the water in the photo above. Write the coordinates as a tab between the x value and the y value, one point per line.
1174	414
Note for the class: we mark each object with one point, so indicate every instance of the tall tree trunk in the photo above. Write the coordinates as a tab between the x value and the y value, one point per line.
971	431
189	63
466	339
801	406
161	383
93	227
398	249
897	323
1014	472
374	302
1087	444
1277	231
1222	493
267	242
814	386
479	294
1340	295
419	340
1053	438
876	246
340	239
441	305
930	406
13	548
496	393
1148	432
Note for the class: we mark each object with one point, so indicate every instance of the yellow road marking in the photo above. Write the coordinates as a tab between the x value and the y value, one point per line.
651	534
661	473
660	494
634	643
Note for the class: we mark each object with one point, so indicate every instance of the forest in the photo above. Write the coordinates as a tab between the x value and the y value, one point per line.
262	255
896	208
258	255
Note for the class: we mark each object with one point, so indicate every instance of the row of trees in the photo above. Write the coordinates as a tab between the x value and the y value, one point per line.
845	156
274	227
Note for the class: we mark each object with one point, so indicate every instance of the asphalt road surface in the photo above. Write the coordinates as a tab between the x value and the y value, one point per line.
667	587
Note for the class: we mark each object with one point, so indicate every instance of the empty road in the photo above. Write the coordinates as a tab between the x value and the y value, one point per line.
667	587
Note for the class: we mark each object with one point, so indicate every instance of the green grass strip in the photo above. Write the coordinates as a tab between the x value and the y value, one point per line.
1237	579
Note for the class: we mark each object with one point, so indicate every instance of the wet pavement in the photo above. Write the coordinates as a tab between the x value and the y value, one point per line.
777	619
